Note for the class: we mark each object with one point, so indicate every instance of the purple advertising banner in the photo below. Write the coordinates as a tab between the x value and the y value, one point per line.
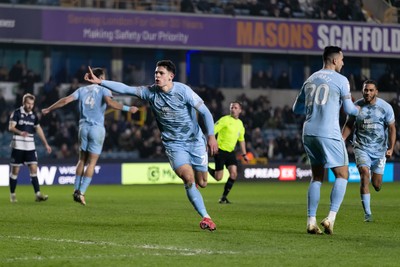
228	33
182	31
18	23
59	174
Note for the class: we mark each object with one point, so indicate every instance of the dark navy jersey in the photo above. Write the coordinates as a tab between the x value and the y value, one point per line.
26	122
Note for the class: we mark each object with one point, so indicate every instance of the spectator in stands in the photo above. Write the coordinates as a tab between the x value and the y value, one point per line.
254	8
52	126
65	152
27	82
286	9
80	73
288	117
16	72
3	102
204	6
187	6
272	8
134	74
269	79
125	140
3	121
72	110
344	10
308	8
228	9
258	80
112	134
283	81
3	73
396	150
389	82
50	92
19	94
63	136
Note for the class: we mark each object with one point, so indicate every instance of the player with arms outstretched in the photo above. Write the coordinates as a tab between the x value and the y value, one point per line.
174	105
93	101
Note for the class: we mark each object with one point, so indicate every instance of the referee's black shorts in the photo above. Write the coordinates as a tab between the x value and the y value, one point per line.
224	158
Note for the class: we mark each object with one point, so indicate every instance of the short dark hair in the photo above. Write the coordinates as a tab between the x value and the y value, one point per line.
168	64
329	51
371	82
98	72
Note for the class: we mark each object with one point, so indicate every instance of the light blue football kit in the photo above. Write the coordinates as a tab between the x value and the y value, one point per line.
321	98
175	112
91	124
182	137
370	140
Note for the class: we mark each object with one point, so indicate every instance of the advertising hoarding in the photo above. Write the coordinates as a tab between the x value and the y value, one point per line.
60	174
182	31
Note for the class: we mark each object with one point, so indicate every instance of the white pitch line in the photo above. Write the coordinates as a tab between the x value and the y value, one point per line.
183	251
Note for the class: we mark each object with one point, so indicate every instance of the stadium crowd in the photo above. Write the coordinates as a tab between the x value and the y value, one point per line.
345	10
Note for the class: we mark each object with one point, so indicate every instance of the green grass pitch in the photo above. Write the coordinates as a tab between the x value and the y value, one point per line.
155	225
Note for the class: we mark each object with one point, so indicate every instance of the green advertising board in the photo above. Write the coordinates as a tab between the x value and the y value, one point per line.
156	173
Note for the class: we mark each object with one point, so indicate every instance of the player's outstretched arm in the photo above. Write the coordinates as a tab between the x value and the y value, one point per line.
118	106
60	103
349	107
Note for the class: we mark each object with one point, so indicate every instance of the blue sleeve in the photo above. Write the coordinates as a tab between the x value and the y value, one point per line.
299	106
120	88
76	93
349	107
107	92
207	118
390	118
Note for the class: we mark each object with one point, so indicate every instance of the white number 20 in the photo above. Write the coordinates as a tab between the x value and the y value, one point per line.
319	94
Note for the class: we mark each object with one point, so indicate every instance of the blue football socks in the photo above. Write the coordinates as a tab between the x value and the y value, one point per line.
196	199
78	180
365	201
314	193
337	193
85	184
